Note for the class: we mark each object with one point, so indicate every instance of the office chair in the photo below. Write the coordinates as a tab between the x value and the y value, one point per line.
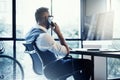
40	59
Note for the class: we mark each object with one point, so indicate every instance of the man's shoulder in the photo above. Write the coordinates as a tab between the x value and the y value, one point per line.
45	37
34	30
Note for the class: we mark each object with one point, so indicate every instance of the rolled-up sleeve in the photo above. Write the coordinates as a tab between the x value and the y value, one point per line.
46	42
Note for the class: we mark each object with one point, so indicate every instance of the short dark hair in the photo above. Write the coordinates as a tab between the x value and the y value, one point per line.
39	13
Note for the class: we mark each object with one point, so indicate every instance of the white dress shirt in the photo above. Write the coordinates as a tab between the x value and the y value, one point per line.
46	42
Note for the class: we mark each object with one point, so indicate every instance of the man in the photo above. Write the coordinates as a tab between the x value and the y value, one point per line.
55	68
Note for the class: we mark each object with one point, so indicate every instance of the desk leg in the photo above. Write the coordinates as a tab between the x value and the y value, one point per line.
92	58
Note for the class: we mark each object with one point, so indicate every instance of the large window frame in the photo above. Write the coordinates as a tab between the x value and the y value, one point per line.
14	37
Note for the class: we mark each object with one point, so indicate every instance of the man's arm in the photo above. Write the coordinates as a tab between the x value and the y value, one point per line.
60	36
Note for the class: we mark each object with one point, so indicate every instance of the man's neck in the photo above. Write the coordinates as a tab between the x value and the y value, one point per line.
42	25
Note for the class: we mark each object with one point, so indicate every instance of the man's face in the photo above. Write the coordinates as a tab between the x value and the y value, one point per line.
46	17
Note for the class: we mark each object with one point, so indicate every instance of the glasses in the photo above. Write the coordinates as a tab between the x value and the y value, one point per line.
50	17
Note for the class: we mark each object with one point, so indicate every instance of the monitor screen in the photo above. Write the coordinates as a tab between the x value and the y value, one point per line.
98	26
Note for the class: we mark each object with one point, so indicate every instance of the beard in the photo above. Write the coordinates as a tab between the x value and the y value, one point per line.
47	24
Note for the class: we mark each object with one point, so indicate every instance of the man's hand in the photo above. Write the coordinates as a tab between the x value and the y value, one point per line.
56	29
61	38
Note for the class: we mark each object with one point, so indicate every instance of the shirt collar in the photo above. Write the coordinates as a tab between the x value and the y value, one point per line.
41	27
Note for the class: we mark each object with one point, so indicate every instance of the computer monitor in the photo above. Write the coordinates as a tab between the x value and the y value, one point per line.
98	26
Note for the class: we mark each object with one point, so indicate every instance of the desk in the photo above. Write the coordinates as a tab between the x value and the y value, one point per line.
101	53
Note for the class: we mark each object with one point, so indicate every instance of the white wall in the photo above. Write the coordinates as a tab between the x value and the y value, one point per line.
95	6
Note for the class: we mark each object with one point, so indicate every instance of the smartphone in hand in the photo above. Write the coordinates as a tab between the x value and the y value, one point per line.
52	24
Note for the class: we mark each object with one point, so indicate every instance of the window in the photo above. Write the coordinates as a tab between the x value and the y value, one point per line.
113	64
6	39
25	14
5	18
68	17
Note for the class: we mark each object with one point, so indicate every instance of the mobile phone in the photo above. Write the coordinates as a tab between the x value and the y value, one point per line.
52	24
